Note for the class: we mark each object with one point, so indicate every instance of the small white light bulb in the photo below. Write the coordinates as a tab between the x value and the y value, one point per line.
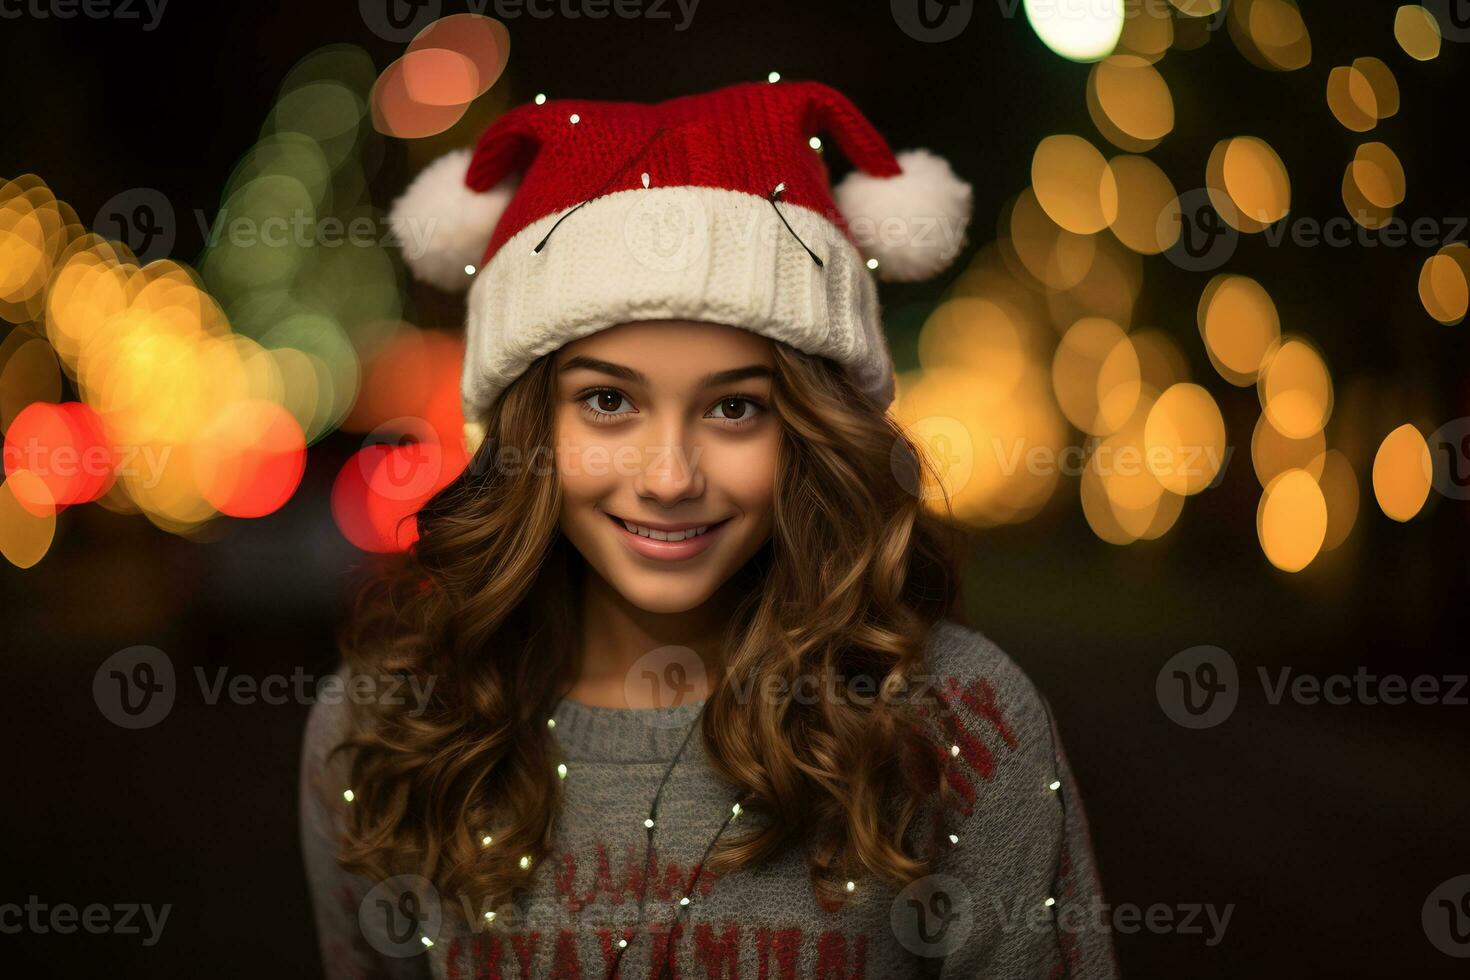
872	263
469	270
774	76
814	143
348	795
576	119
540	98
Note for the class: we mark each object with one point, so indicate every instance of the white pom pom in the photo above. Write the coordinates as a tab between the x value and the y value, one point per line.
914	224
442	226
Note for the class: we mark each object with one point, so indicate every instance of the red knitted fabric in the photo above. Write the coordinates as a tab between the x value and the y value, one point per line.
747	137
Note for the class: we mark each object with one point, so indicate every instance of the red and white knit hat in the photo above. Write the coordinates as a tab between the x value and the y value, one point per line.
575	215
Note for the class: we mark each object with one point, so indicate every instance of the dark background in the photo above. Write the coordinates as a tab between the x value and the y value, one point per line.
1325	826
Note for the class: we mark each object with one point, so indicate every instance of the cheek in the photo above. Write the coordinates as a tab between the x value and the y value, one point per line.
582	461
746	473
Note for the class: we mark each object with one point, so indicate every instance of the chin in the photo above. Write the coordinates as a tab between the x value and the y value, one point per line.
656	593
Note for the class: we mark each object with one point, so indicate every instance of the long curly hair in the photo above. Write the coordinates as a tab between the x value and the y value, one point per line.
854	577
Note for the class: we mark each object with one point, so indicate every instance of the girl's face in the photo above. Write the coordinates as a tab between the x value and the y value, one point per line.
666	452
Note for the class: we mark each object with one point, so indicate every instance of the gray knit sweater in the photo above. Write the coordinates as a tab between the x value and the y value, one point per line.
1015	893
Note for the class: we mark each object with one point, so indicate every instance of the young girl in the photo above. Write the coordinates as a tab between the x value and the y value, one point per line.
694	703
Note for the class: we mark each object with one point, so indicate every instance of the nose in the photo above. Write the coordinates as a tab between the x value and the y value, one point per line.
670	471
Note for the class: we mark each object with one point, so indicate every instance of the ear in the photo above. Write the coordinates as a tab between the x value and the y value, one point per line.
445	218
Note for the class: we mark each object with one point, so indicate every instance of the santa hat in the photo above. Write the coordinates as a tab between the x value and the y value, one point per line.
573	215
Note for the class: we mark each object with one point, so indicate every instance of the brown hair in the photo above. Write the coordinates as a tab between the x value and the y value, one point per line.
854	577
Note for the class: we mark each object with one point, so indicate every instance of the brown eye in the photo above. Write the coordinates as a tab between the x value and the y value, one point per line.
735	409
606	402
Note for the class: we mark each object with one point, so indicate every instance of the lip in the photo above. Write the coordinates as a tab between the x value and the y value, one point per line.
668	550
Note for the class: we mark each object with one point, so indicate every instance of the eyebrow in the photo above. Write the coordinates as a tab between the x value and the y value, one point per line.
634	375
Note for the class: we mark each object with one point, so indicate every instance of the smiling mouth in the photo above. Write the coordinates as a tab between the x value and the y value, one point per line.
654	534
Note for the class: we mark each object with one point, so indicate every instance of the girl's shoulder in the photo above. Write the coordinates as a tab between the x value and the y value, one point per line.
992	725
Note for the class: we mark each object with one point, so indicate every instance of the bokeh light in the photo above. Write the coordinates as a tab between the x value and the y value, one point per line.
1402	473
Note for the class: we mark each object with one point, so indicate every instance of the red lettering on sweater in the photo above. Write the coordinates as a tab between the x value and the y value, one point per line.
784	944
525	944
979	697
832	957
484	957
665	958
566	965
666	881
719	957
710	951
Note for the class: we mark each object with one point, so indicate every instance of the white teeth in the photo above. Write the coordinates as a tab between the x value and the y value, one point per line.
658	535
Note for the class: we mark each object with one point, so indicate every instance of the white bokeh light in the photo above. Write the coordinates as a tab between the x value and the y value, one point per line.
1080	30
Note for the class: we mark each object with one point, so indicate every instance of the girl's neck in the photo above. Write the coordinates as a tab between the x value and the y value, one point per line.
616	635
